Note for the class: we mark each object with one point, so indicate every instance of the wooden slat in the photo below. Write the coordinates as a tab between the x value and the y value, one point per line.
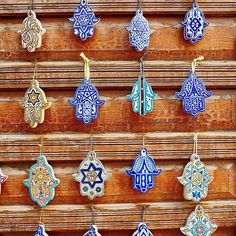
9	7
116	74
162	215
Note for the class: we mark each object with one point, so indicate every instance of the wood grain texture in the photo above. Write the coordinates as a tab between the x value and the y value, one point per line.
58	7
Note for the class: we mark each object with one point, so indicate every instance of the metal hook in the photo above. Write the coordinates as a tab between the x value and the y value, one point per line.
142	63
194	63
195	143
41	144
86	66
93	214
143	210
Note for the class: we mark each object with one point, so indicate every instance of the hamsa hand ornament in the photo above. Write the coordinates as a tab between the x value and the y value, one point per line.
198	224
93	231
41	182
40	231
195	179
92	176
31	32
142	230
3	178
194	24
84	20
139	31
35	103
143	171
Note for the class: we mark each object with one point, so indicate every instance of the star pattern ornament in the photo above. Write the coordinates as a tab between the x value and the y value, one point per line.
195	179
92	176
198	224
86	102
93	231
3	178
31	32
194	24
139	31
35	103
40	231
84	20
143	171
142	230
41	182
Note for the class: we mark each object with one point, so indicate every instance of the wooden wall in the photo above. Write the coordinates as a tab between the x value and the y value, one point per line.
118	130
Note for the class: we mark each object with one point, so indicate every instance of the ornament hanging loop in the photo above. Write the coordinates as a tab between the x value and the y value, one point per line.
93	214
41	145
86	66
142	63
195	143
194	63
143	211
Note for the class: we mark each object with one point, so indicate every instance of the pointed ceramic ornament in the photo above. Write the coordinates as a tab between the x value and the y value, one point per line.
41	182
194	24
93	231
143	171
3	178
92	176
31	32
40	231
84	20
142	230
198	224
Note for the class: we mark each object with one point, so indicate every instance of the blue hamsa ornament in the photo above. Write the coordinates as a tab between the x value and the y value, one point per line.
84	20
193	94
40	231
93	231
86	102
142	230
198	224
195	179
142	96
194	24
143	171
139	31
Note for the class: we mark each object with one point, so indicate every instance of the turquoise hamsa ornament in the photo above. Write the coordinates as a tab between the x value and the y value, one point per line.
142	230
40	231
93	231
195	179
41	182
198	224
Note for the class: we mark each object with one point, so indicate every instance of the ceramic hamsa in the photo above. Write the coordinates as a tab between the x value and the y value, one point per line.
195	179
139	31
34	104
31	32
143	171
3	178
40	231
193	95
142	96
194	24
84	20
41	182
198	224
93	231
142	230
86	102
92	176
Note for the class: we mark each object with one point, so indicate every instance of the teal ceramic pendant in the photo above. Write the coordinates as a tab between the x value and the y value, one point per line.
198	224
142	230
41	182
195	179
93	231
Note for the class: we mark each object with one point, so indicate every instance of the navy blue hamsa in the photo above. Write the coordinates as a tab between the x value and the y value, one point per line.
84	20
86	102
193	94
142	230
139	31
40	231
194	24
143	171
93	231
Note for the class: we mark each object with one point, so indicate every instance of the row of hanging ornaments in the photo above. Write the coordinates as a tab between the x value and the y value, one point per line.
92	175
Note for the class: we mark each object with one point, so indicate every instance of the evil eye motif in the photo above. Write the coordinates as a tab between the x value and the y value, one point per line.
35	103
31	32
84	20
193	94
93	231
198	224
139	31
142	230
195	179
142	96
86	102
92	176
194	24
40	231
41	182
3	178
143	171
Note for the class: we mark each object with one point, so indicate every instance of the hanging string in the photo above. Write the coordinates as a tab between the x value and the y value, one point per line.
141	64
143	211
31	6
195	143
91	141
86	66
194	63
41	217
35	70
143	139
93	215
41	145
140	5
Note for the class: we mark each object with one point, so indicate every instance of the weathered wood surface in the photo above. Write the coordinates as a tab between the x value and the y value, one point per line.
118	6
115	74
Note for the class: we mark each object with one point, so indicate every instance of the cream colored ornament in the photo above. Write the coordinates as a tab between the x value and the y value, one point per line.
31	32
